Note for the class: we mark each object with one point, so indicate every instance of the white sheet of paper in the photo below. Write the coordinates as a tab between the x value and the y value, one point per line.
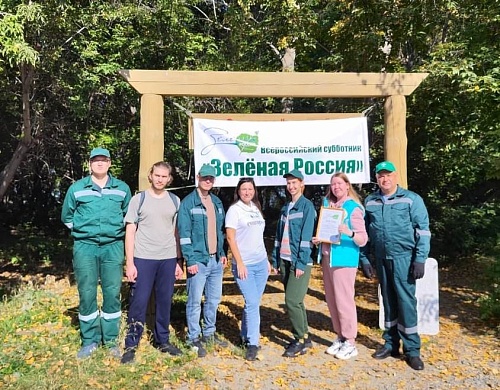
328	224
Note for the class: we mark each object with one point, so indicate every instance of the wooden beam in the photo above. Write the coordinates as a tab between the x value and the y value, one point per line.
271	84
279	117
395	141
151	143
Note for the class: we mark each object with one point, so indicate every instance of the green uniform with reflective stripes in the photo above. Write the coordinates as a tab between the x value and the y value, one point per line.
95	217
398	227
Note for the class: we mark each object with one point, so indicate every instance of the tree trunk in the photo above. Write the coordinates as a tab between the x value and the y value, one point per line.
8	173
288	62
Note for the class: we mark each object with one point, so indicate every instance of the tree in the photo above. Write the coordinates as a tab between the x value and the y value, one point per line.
16	52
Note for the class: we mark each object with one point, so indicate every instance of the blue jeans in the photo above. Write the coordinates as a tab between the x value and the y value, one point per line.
252	289
208	280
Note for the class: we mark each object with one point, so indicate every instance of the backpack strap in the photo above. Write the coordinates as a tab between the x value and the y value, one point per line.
175	201
141	201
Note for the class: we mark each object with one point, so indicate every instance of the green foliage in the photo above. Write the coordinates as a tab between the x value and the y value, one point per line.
490	303
14	48
79	101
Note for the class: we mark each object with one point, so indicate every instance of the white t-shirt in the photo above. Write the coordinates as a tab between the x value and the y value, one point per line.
249	225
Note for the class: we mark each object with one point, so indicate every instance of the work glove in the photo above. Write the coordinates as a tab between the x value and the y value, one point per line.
367	270
418	270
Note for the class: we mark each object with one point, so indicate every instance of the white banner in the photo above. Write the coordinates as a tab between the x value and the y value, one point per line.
267	150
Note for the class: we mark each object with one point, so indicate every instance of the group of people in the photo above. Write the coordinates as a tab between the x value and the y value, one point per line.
159	234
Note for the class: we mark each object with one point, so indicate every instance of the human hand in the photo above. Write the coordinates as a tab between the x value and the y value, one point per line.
343	229
179	273
367	270
275	271
418	270
131	272
315	241
242	271
223	261
193	269
298	273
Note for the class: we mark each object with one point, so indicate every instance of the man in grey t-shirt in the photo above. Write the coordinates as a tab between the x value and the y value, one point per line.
152	259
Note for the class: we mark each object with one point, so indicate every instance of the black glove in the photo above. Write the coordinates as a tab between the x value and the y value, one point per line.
367	270
418	270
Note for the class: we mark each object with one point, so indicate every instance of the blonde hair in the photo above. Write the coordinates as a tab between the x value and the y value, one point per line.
351	192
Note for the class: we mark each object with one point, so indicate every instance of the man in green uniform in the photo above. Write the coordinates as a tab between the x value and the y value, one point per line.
94	210
398	228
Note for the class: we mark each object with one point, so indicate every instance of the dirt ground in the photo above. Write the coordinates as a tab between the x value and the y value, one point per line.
465	353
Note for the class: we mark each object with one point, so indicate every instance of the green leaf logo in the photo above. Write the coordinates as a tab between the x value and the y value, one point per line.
247	143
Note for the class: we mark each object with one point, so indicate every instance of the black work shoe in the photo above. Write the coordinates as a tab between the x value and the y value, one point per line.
128	356
213	339
415	362
251	354
244	343
295	348
384	353
198	347
169	348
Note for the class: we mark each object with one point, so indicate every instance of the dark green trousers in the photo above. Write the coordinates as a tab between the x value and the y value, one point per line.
397	286
93	264
295	292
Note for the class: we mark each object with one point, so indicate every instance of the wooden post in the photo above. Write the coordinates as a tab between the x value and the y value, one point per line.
152	143
152	151
395	141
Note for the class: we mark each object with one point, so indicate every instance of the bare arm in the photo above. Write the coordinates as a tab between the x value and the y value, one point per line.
130	270
231	239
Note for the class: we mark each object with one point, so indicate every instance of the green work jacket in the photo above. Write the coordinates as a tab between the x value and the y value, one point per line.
192	227
397	227
94	214
301	219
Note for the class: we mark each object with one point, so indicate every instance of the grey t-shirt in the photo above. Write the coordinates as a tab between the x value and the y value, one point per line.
155	235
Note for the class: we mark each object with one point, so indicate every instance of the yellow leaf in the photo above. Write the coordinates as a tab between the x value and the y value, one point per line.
30	360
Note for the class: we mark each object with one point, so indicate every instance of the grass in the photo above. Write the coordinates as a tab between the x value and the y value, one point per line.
40	342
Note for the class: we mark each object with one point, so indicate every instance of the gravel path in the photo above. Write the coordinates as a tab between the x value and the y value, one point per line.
464	354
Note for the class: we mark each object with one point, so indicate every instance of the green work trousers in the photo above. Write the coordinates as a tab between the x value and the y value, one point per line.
93	263
295	292
398	287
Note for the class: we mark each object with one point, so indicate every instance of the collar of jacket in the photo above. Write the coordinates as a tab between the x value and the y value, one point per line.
399	193
197	197
110	183
298	202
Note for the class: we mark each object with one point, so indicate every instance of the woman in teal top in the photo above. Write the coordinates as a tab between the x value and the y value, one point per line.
340	263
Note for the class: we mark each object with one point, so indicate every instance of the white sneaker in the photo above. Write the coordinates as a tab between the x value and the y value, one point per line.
335	347
347	351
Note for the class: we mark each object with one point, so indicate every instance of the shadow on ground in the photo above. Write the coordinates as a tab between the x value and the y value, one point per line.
31	259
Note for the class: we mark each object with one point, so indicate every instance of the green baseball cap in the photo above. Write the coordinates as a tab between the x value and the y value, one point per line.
207	170
294	173
385	166
99	152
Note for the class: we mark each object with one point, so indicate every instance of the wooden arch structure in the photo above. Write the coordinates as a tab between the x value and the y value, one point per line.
154	84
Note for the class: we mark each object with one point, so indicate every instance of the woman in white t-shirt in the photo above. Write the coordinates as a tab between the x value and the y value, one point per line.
245	235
